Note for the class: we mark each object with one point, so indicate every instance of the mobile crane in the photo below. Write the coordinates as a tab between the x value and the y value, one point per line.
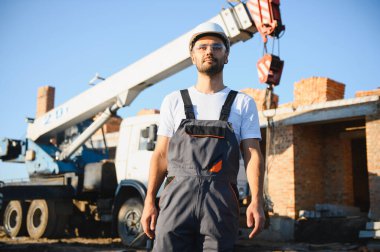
73	184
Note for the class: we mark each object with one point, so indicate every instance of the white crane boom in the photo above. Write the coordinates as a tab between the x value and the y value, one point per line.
120	89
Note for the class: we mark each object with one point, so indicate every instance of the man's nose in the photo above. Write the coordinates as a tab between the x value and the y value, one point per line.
209	49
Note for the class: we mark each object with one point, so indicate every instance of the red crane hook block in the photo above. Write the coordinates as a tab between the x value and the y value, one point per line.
266	16
269	68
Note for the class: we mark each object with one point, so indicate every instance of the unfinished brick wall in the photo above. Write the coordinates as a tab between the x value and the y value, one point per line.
316	90
308	167
45	100
148	112
336	167
373	163
311	164
322	166
281	172
347	173
259	96
112	125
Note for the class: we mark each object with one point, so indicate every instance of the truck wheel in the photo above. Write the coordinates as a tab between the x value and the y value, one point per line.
41	218
14	219
128	224
1	199
60	226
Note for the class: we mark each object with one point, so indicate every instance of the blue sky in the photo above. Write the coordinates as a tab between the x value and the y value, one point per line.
64	43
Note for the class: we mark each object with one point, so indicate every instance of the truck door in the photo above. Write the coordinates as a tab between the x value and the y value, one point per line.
141	149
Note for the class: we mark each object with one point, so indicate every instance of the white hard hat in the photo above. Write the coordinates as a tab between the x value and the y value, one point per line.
209	29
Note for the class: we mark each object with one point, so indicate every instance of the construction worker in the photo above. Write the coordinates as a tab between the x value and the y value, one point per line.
199	137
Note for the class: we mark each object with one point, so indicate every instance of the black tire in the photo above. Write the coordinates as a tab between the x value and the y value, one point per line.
60	226
41	219
14	219
1	199
128	223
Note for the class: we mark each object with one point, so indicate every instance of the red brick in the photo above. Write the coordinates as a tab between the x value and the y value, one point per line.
258	96
316	90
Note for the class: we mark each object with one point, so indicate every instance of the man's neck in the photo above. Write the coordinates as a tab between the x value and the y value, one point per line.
209	84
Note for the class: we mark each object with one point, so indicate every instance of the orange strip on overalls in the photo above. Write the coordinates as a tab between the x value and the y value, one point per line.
217	167
213	136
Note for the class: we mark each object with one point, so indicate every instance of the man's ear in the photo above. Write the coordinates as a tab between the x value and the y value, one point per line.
226	59
192	58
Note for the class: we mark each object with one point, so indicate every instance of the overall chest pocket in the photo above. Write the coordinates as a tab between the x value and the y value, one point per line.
205	131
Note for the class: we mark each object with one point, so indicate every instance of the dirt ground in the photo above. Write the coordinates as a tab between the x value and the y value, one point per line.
108	244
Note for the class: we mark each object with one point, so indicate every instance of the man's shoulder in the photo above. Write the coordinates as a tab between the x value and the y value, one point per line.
239	96
174	95
243	99
172	100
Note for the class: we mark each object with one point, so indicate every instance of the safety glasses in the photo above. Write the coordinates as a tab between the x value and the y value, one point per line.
217	47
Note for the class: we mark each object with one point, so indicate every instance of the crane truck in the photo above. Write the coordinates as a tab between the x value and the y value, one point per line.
73	185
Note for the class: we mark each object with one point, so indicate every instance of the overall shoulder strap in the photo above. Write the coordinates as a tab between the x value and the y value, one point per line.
226	109
189	109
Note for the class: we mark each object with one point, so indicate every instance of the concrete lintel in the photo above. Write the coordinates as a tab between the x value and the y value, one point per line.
326	111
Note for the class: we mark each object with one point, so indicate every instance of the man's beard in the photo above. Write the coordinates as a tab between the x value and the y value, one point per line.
212	69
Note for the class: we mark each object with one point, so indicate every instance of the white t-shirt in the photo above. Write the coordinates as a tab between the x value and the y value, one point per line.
243	116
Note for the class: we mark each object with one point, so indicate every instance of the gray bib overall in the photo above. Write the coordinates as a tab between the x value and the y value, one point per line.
199	207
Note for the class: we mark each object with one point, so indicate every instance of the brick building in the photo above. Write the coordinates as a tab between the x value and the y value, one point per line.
323	150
